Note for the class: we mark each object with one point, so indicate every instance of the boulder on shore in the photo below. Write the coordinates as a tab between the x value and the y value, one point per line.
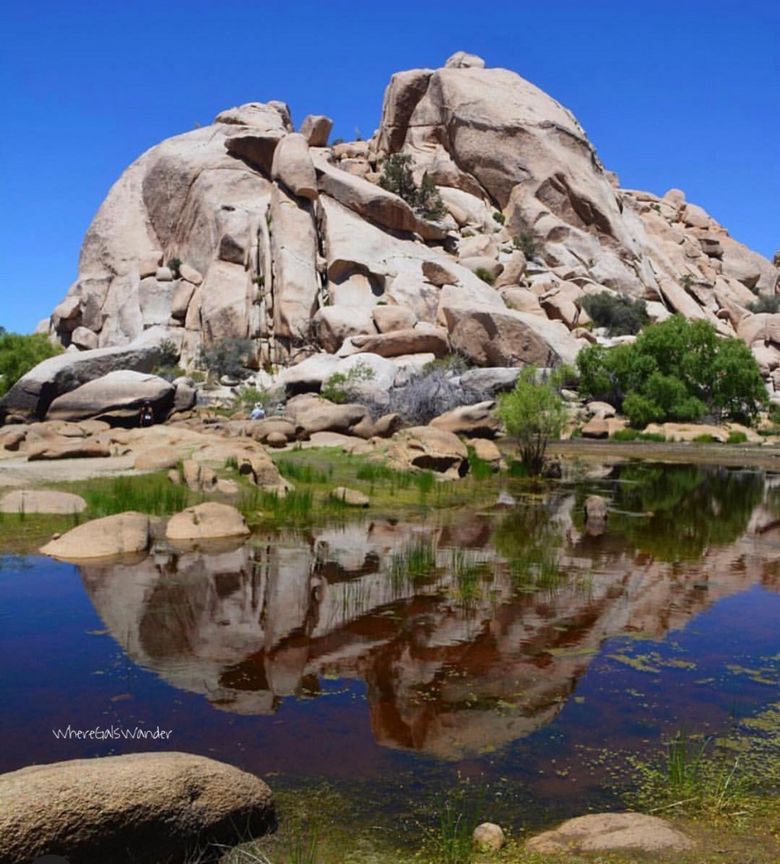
41	501
601	832
120	534
208	521
141	807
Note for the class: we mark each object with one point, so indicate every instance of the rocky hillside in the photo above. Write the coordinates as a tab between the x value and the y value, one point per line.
284	240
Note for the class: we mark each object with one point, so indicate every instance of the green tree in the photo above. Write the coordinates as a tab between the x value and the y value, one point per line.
676	370
535	414
19	353
397	178
619	313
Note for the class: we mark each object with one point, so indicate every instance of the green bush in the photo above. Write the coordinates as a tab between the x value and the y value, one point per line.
737	438
339	386
499	217
174	265
226	357
676	370
19	353
619	313
765	303
526	244
397	178
485	275
534	413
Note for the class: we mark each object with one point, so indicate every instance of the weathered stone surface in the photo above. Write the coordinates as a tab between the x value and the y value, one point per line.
35	391
159	805
601	832
157	459
389	318
294	250
60	447
334	324
121	534
316	129
474	421
114	396
488	382
400	342
508	338
372	202
41	501
430	449
311	414
208	521
293	167
486	450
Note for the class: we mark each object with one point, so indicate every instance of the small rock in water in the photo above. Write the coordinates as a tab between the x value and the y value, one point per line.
488	837
505	499
350	497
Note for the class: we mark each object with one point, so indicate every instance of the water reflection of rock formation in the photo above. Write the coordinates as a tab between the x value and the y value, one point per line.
480	650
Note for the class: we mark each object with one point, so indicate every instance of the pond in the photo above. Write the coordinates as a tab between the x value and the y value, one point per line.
505	645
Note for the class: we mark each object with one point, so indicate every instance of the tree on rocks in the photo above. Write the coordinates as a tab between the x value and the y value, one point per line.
534	413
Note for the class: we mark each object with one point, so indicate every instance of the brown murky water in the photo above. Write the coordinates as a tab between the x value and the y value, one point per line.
509	645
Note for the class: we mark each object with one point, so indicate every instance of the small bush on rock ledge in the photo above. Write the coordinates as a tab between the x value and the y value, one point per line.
397	178
619	313
226	357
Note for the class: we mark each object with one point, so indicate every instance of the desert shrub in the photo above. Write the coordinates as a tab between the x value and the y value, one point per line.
619	313
397	178
534	413
499	217
174	265
339	387
766	303
226	357
737	438
485	275
526	244
425	396
19	353
675	370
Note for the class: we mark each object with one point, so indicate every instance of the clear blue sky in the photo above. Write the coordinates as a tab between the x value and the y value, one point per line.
683	93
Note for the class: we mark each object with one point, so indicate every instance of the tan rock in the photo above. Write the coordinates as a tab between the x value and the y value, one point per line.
160	805
430	449
66	448
293	167
486	450
157	459
488	837
400	342
121	534
438	274
41	501
207	521
316	129
389	318
601	832
310	413
334	324
514	269
350	497
473	421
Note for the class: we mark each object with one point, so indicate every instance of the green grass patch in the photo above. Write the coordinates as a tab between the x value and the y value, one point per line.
147	493
737	438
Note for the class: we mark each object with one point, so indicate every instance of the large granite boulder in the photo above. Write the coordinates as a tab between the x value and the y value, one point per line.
120	534
141	807
118	396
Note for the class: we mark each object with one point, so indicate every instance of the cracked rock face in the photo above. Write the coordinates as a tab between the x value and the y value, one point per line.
247	229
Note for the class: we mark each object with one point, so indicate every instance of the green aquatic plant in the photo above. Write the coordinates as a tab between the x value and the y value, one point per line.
147	493
413	564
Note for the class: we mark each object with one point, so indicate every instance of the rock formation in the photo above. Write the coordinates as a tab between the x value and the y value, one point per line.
247	229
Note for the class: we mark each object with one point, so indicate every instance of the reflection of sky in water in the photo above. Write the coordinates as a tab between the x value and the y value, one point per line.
313	658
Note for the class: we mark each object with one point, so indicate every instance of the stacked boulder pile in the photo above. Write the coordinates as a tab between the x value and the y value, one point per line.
248	229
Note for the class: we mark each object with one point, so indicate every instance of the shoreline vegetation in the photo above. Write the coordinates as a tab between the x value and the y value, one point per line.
723	793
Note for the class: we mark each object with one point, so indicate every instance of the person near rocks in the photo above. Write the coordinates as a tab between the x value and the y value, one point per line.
147	415
258	413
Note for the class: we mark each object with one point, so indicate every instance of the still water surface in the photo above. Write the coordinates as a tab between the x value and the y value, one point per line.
507	644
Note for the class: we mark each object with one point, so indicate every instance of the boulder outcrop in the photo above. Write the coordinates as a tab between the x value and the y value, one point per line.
248	229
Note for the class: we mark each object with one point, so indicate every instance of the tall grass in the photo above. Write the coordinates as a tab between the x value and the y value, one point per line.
148	493
294	507
303	473
697	776
467	574
450	841
412	564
